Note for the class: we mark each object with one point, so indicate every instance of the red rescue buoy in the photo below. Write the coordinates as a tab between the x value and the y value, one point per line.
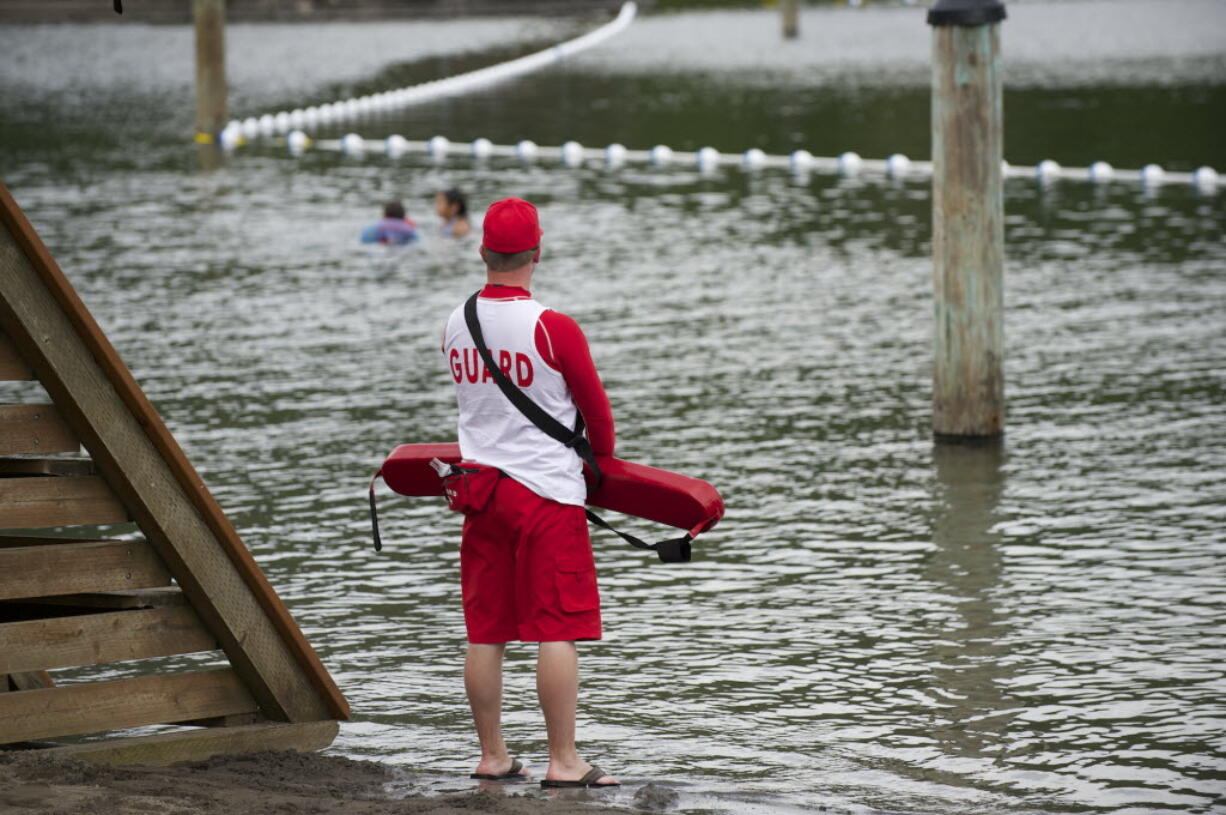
634	489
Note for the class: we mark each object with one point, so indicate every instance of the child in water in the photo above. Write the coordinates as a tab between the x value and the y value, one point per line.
452	207
394	228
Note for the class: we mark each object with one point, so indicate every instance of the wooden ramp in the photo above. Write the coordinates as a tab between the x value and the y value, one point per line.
186	585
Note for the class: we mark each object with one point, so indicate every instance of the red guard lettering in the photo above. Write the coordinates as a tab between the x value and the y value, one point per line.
470	365
504	363
523	370
457	369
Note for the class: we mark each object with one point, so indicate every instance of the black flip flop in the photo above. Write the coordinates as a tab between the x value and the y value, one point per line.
514	772
589	779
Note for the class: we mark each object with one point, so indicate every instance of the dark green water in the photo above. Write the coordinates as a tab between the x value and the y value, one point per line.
880	625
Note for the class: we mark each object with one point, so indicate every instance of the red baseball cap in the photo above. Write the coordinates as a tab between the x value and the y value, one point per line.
511	225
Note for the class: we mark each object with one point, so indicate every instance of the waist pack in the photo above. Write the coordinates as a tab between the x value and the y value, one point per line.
468	487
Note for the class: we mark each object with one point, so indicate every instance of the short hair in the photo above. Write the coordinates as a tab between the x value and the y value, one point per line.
506	261
393	209
456	198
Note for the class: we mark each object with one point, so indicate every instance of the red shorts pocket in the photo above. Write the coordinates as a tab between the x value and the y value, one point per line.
577	590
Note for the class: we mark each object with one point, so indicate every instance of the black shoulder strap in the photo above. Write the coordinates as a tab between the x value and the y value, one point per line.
550	426
674	550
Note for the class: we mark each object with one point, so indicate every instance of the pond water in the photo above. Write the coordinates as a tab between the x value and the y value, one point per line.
880	624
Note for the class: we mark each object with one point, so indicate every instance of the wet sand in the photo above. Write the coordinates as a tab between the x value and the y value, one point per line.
272	782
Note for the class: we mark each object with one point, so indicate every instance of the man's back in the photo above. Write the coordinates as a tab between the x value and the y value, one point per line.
493	431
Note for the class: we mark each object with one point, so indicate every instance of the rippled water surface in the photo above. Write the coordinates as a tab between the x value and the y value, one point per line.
879	624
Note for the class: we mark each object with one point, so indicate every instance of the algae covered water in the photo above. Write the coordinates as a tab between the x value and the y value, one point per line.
879	624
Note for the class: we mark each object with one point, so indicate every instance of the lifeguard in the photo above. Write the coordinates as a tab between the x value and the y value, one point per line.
526	566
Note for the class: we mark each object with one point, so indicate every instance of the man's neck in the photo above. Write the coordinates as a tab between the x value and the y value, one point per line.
521	277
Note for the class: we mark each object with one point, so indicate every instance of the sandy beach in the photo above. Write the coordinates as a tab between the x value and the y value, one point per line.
280	782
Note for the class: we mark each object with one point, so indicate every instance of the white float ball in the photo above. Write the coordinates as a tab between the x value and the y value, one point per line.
395	145
482	148
297	118
1204	178
849	163
661	155
753	159
706	159
615	155
280	122
897	165
251	127
231	136
572	154
526	150
311	116
437	147
1046	170
267	125
297	141
1100	171
1152	174
352	144
800	160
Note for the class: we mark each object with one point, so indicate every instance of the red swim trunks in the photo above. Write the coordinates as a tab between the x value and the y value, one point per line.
526	570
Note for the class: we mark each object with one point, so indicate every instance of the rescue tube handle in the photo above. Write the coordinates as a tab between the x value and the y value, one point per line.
374	512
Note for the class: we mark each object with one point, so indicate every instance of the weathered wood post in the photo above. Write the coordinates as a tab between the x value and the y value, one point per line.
968	392
210	20
791	18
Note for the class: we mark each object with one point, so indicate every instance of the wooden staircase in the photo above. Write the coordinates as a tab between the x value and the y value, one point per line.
175	579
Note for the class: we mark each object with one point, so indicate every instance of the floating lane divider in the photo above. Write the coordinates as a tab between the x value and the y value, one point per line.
708	159
282	122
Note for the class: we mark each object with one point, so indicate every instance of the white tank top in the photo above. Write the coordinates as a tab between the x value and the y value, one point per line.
492	430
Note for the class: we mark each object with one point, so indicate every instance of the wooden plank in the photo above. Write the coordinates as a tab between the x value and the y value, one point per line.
91	639
98	706
68	568
12	366
197	745
35	429
58	501
124	434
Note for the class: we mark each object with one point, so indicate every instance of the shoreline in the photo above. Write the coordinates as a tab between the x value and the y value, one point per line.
282	782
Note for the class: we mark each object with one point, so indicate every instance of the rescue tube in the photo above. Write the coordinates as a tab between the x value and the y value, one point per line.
634	489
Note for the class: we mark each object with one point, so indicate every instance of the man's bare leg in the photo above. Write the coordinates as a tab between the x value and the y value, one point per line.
557	686
483	682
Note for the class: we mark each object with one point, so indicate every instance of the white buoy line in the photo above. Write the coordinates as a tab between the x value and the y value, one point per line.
282	122
708	159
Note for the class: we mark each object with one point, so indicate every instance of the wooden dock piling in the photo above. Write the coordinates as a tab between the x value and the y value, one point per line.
210	21
967	218
791	18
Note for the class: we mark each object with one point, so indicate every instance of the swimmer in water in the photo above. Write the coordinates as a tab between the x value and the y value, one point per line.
395	228
452	207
